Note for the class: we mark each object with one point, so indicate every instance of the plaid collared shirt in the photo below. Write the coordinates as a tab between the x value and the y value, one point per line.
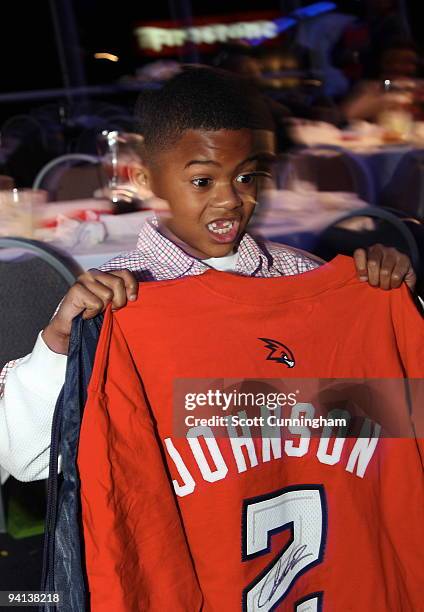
158	258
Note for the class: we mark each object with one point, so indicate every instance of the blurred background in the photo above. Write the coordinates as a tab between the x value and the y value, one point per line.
343	80
307	56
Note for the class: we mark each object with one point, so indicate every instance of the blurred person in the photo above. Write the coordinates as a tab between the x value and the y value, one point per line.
320	36
268	68
281	68
379	26
386	26
288	79
399	62
240	60
206	163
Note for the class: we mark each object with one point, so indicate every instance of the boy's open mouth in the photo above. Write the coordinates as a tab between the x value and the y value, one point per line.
224	230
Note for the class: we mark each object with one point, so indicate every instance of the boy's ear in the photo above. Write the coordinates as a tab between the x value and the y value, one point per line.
139	176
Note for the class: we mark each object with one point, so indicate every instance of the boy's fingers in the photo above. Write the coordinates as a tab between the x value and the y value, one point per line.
91	294
131	284
79	300
374	258
104	292
397	276
403	271
101	286
92	304
122	282
109	288
388	263
385	267
411	279
360	257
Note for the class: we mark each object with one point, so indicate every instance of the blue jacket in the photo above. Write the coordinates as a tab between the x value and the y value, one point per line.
63	566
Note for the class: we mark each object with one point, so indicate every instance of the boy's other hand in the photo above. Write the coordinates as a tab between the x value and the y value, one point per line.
90	295
384	267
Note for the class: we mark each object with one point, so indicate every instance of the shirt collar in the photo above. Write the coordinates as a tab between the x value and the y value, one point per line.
253	260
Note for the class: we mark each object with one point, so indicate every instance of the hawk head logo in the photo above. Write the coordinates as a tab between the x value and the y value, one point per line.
279	352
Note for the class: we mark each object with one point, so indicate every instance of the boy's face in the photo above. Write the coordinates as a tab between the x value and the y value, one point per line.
210	183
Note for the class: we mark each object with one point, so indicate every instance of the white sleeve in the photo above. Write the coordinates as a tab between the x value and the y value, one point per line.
31	390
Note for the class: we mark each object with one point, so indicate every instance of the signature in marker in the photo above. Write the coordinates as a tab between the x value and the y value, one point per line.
279	572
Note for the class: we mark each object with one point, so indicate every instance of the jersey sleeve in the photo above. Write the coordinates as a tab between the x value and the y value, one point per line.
136	553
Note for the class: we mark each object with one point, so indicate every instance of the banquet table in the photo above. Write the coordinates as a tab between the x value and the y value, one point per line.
379	163
91	249
363	141
297	218
93	256
382	164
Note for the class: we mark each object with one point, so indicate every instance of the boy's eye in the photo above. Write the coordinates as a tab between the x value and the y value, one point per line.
248	179
201	182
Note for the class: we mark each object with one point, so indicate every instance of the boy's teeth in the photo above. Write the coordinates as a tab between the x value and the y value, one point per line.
220	227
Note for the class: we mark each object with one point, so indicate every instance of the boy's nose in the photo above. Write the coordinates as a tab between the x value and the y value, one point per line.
228	198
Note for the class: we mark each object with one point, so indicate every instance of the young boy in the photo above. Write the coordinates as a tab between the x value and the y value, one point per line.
208	143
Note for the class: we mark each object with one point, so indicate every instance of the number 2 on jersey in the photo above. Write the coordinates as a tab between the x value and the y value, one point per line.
301	509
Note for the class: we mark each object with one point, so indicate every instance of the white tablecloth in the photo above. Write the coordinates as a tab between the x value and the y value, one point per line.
283	213
382	164
120	231
98	254
364	141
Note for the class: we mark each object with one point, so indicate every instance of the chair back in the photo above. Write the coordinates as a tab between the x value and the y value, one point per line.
71	176
391	229
34	277
405	191
330	168
22	127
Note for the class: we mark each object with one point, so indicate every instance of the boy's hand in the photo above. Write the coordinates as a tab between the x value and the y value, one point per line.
384	267
90	295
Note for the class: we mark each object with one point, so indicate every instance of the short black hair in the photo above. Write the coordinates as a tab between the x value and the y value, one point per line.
199	98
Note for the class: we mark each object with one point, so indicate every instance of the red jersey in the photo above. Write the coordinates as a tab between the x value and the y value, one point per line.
193	521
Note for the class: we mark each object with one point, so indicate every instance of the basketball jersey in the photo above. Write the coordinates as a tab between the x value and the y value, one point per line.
177	517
